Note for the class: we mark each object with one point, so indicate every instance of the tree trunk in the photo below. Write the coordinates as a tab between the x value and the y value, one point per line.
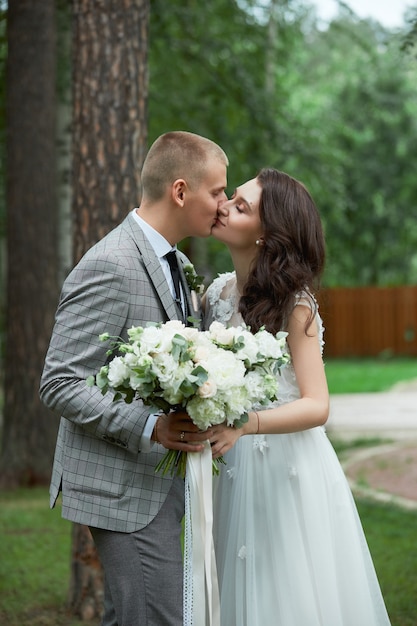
110	105
85	598
110	89
29	432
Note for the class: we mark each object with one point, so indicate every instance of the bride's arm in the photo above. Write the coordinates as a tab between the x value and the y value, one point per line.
310	410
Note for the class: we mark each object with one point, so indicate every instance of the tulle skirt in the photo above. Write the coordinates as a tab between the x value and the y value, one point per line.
290	547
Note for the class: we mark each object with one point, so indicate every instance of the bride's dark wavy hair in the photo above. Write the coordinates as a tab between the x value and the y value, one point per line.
291	257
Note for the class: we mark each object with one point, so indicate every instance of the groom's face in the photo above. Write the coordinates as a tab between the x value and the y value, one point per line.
204	201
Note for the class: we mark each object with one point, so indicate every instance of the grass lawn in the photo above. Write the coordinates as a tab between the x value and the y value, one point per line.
35	559
368	375
392	537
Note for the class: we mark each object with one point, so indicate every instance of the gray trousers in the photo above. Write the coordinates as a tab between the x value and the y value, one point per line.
144	569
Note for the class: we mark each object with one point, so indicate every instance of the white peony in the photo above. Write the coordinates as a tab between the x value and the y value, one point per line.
164	367
271	346
250	350
225	369
206	412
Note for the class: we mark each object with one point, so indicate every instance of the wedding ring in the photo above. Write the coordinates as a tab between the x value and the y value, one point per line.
182	435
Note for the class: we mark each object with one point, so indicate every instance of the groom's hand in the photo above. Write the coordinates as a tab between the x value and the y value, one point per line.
176	431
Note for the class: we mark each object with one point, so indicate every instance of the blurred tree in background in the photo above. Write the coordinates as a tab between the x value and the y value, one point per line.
31	229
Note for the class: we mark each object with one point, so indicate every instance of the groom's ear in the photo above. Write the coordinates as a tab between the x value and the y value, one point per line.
178	189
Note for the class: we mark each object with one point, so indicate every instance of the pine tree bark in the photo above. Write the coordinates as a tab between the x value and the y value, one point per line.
110	90
86	592
29	430
109	116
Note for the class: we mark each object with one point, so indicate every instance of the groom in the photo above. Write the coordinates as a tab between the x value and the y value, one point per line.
105	455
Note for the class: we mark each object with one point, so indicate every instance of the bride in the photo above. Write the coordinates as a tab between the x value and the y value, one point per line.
290	547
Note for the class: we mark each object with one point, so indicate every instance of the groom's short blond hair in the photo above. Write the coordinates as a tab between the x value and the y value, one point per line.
177	154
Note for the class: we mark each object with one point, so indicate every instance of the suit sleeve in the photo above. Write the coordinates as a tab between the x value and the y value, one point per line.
96	298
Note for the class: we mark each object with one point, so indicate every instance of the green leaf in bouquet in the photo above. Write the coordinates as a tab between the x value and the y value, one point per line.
238	423
102	381
188	387
201	374
178	345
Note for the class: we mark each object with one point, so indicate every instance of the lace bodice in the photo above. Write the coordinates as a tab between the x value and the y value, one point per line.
222	300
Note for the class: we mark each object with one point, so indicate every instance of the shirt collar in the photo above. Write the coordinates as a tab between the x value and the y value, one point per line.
159	244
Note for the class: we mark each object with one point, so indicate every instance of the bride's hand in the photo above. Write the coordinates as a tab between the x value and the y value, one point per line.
223	437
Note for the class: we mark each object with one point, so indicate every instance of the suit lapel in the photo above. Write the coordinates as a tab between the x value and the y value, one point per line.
157	276
152	267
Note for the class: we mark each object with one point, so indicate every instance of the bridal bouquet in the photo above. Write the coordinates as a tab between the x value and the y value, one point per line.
215	375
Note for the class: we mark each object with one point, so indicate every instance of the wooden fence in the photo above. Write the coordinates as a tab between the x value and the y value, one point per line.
368	321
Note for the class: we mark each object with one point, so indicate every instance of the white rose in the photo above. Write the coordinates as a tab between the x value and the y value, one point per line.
207	389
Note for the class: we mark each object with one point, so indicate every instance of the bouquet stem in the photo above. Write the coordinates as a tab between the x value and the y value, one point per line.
174	462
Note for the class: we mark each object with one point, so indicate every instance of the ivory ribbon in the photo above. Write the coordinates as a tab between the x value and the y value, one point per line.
203	599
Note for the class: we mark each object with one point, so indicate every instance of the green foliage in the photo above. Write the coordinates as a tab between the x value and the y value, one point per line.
361	94
207	75
409	41
335	108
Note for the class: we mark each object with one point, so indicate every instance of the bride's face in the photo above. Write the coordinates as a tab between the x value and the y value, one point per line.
238	224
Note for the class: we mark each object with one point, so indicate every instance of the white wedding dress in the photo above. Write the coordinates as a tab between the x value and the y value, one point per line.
290	547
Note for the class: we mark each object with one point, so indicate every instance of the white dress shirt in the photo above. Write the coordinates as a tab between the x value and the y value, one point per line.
161	247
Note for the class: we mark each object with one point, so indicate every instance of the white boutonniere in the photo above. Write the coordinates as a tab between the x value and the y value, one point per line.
194	280
195	283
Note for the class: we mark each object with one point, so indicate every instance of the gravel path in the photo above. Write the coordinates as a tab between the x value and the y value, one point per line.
387	472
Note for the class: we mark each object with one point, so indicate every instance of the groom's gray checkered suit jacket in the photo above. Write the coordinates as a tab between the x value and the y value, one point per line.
105	481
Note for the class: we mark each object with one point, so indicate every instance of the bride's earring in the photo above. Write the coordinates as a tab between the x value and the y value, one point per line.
259	242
